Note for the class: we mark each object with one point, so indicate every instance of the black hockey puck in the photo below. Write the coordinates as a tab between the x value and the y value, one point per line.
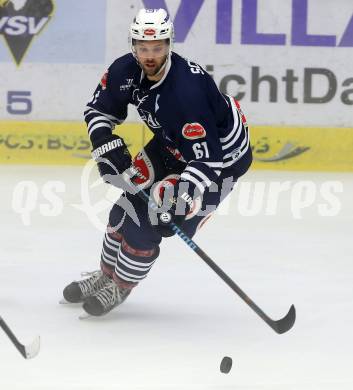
226	364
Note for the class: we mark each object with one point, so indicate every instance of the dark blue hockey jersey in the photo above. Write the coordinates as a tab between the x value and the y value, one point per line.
185	111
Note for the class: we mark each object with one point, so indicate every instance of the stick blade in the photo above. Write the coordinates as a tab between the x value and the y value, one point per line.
32	350
286	323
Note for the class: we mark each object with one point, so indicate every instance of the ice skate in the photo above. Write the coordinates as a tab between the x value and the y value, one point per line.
78	291
105	299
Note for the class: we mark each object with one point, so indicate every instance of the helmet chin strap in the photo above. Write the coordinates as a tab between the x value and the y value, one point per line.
164	64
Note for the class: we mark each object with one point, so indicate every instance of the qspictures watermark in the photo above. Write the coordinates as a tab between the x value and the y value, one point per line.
295	198
28	197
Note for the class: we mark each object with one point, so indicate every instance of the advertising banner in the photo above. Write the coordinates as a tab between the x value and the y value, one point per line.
55	143
289	62
49	51
284	148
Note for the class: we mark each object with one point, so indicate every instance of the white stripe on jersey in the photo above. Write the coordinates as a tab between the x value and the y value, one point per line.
237	129
198	184
245	141
236	137
200	174
212	165
98	126
232	161
237	123
226	100
99	118
238	132
112	118
209	164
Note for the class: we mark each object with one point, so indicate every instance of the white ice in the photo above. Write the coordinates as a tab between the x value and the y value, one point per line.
177	325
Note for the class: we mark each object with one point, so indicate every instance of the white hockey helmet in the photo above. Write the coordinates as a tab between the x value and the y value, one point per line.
152	25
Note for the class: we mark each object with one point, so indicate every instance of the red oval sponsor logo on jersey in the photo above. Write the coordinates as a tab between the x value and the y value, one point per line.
149	32
103	82
193	131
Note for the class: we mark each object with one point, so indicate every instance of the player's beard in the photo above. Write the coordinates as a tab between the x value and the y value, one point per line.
153	71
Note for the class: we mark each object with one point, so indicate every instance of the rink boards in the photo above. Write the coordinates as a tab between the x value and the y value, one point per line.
284	148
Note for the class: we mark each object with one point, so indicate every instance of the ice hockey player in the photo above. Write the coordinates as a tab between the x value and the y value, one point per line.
199	149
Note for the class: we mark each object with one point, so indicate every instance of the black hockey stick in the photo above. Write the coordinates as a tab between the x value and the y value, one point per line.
27	351
279	326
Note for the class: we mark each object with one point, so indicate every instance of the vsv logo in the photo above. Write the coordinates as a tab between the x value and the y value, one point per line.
188	11
21	21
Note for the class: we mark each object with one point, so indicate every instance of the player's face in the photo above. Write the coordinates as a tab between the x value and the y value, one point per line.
151	55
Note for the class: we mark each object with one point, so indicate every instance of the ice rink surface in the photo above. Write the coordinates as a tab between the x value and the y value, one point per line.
175	327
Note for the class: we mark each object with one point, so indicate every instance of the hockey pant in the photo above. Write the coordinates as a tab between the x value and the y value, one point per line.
131	244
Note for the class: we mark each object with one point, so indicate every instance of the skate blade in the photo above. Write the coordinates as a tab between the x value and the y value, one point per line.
65	302
84	316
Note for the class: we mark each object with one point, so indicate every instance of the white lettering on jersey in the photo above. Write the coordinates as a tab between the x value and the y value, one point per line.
195	68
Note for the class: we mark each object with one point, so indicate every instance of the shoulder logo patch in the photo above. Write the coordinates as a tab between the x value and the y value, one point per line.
193	131
103	82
